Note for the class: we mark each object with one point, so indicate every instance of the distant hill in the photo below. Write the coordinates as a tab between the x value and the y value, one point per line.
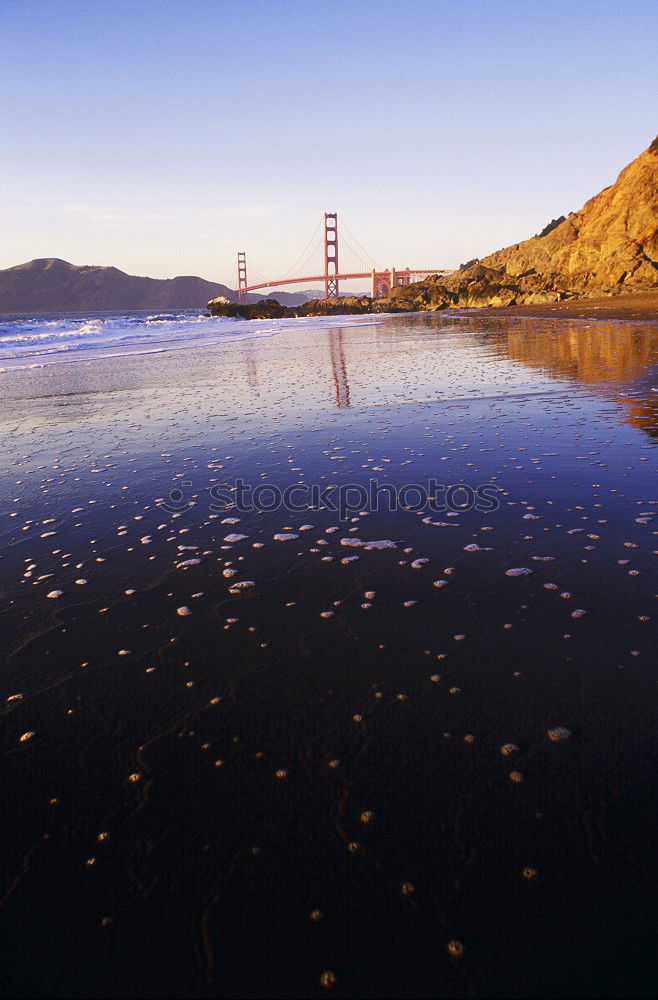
53	285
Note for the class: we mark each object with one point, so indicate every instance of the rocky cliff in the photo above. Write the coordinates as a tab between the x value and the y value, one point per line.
610	246
611	242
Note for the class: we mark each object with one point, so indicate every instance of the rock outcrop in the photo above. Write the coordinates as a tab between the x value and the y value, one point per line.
610	246
271	309
266	309
611	242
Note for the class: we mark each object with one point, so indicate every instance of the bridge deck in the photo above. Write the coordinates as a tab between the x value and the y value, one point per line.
345	277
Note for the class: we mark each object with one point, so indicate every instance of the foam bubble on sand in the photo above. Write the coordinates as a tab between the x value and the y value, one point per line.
188	562
357	543
285	537
235	538
419	563
440	583
558	734
183	612
473	547
518	571
55	593
235	588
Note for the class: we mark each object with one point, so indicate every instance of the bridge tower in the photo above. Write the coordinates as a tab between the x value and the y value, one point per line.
330	255
242	276
382	281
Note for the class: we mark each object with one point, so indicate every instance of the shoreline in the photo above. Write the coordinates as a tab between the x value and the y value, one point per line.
634	306
638	305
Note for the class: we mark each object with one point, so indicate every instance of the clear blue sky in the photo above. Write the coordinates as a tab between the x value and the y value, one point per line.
162	137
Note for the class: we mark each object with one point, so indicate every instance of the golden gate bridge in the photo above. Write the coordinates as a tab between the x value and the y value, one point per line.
325	238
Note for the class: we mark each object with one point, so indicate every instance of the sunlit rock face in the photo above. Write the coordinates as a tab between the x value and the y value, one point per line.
612	240
609	246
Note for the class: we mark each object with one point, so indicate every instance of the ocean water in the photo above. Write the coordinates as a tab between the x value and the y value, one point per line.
43	339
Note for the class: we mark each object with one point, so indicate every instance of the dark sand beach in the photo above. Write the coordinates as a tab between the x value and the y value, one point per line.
642	305
399	770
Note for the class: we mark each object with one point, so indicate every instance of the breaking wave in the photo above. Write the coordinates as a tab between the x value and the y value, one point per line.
40	340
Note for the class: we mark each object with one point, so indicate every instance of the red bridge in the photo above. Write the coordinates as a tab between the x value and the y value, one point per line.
381	279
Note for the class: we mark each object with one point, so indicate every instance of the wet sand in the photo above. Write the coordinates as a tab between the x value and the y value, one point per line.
409	770
638	306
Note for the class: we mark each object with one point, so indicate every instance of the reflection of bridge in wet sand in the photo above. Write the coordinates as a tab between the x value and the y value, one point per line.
606	357
339	368
341	386
618	360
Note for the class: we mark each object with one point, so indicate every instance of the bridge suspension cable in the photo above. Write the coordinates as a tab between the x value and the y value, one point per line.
357	255
331	273
302	259
373	263
315	249
254	270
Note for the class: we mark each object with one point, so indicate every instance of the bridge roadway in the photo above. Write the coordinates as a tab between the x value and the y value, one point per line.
401	277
